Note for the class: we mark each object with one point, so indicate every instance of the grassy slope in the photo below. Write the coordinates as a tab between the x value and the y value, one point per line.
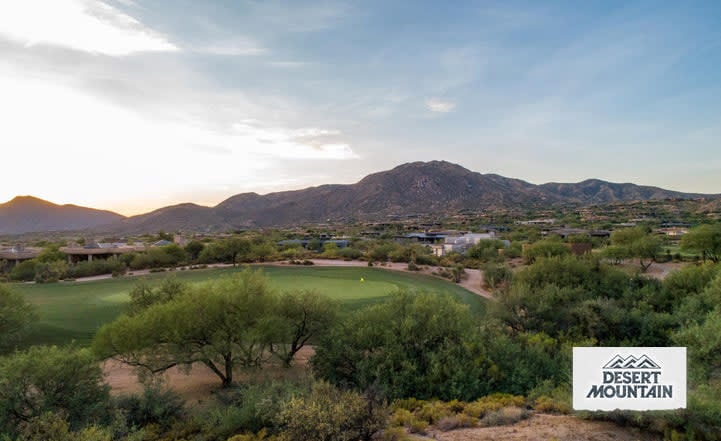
75	310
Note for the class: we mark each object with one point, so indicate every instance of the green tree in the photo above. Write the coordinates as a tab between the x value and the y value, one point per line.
223	324
414	345
705	240
194	248
303	316
637	242
51	379
16	316
238	249
143	295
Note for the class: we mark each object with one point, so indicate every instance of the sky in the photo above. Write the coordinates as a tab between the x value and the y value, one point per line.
131	105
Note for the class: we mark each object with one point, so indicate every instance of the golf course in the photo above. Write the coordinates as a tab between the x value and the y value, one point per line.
73	311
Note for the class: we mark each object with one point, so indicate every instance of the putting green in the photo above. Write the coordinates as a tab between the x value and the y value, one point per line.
73	311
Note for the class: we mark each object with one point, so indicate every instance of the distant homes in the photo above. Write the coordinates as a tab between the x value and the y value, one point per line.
445	242
101	250
19	253
340	243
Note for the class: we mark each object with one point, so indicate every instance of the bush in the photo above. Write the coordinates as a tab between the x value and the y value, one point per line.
504	416
329	414
494	402
394	434
257	406
458	421
51	379
155	405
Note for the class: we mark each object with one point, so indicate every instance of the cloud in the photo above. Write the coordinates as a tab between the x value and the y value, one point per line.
440	106
84	25
241	47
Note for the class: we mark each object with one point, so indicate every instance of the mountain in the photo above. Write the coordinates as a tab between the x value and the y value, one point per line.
181	217
435	187
594	191
26	214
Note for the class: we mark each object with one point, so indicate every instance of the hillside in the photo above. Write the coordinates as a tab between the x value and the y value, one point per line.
27	214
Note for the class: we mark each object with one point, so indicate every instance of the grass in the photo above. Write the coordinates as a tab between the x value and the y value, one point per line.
73	311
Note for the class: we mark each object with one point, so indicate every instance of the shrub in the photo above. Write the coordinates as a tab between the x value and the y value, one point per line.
394	434
401	418
480	407
329	414
155	405
433	412
456	422
418	426
504	416
51	379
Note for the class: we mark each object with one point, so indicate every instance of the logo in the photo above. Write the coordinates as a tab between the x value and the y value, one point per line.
629	378
631	362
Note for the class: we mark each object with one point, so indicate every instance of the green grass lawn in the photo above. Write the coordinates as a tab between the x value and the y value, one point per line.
75	310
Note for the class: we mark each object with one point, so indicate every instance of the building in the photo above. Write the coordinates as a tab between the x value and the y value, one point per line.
19	253
101	250
461	243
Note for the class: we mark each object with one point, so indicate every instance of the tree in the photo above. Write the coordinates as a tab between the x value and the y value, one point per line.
15	318
302	315
637	242
143	295
237	249
545	248
223	324
704	239
414	345
194	248
52	379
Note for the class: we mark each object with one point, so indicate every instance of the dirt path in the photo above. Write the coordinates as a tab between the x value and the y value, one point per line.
543	427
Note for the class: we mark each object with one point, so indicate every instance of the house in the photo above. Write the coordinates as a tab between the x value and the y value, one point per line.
461	243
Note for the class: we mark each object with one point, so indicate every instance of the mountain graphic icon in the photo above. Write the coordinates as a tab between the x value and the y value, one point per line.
631	362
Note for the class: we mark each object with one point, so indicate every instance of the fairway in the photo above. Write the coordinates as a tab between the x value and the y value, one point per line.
75	310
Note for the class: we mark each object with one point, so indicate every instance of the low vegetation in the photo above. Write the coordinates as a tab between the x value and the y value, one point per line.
410	362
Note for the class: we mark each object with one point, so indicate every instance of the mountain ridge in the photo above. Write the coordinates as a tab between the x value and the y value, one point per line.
435	187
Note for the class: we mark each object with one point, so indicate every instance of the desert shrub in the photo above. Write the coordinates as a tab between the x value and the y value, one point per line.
95	268
401	418
479	408
258	405
51	379
394	434
417	425
433	411
262	435
496	275
350	253
504	416
410	404
23	271
53	427
457	421
156	405
330	414
546	397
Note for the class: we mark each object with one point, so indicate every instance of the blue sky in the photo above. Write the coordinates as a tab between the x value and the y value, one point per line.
134	104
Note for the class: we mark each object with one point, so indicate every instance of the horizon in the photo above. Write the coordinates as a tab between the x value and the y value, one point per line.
132	105
150	210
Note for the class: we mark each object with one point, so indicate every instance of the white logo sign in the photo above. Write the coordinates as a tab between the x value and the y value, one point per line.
629	378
